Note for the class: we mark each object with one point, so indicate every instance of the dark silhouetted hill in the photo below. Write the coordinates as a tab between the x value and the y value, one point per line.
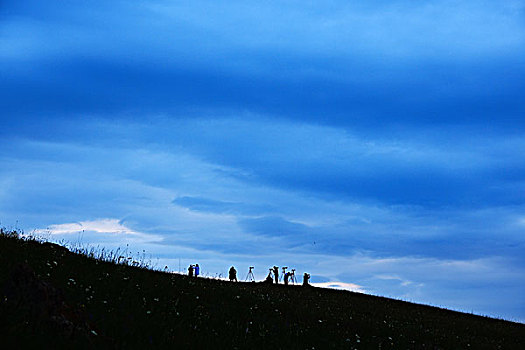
53	298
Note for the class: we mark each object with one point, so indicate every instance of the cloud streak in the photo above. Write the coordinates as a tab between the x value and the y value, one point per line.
340	285
112	228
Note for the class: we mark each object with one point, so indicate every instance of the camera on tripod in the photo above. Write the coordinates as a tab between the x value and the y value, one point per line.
250	277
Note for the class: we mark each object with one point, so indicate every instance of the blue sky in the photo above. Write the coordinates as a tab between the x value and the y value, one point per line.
378	146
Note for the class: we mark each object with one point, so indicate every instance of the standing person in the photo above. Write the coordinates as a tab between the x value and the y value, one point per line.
276	274
269	278
197	270
286	277
306	277
232	274
190	271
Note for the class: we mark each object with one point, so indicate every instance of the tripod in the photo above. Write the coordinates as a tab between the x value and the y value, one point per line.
292	277
250	277
284	272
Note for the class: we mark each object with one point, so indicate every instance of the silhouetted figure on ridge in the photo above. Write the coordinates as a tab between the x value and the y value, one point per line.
286	277
269	278
306	277
276	274
197	270
190	271
232	274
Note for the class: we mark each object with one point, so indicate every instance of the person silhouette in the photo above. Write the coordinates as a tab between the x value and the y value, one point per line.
190	271
197	270
276	274
232	274
286	277
269	278
306	277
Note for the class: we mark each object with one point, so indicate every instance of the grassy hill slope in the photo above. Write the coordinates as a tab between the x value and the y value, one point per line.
53	298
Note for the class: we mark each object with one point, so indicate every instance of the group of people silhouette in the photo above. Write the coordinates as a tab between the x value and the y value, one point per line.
288	276
273	275
194	270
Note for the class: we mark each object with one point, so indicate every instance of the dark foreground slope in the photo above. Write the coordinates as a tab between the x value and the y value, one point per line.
54	298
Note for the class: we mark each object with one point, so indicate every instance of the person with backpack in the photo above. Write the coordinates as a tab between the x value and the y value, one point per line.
232	274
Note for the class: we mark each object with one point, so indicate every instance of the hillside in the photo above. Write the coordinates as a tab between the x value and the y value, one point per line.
53	298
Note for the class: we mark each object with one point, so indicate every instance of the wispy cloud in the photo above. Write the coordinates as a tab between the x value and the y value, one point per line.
113	229
399	28
340	285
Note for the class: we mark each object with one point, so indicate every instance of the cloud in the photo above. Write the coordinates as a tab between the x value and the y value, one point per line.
376	66
402	281
206	205
220	207
274	226
219	204
399	28
110	228
340	285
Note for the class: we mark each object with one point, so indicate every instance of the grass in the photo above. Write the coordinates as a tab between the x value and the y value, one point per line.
55	298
